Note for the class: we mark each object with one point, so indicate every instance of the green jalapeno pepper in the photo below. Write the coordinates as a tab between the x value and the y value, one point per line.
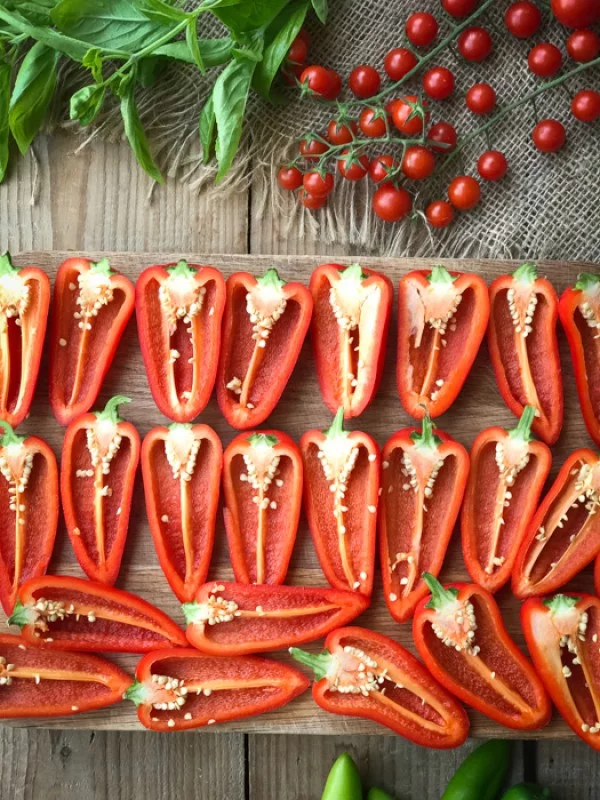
482	773
527	791
343	781
378	794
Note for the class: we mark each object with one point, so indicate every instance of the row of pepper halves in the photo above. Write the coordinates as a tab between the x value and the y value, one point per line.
246	334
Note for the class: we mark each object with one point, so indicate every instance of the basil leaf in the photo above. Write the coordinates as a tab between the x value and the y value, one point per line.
161	12
5	73
250	14
321	9
32	94
191	38
281	33
45	35
37	11
230	95
207	129
214	51
250	46
147	71
93	61
87	103
136	135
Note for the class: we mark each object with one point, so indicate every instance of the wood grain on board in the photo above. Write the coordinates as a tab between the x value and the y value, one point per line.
300	408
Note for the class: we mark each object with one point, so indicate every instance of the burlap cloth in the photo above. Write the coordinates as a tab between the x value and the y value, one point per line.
548	206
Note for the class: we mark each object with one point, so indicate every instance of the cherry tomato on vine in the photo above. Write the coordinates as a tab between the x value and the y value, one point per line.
421	29
298	51
291	73
464	192
549	135
371	124
481	98
311	149
380	168
352	167
475	44
438	83
585	106
439	214
305	36
391	203
402	111
459	8
322	82
364	81
340	132
492	165
418	162
399	62
445	134
318	184
576	13
583	45
544	60
523	19
311	201
289	178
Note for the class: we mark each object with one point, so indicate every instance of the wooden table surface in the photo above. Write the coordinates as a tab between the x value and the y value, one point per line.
98	200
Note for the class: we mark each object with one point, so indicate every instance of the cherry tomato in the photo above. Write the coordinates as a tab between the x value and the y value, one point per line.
380	168
439	214
291	73
464	192
298	51
289	178
549	135
353	168
523	19
312	201
311	149
322	82
576	13
317	184
399	62
340	132
370	124
583	45
585	106
438	83
544	60
336	84
364	81
475	44
391	203
418	162
402	110
492	165
459	8
481	98
421	29
305	36
444	133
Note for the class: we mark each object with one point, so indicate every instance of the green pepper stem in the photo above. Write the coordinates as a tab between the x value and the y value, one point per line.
180	426
586	281
19	616
181	269
523	428
318	662
190	612
271	278
262	440
353	272
426	438
526	272
6	265
439	596
136	693
102	266
561	603
440	274
111	409
337	426
9	436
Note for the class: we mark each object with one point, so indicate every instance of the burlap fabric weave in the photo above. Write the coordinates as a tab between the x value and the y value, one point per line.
547	207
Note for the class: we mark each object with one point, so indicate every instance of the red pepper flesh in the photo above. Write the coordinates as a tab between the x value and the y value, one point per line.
42	683
28	510
63	613
178	690
365	674
564	534
181	466
179	308
91	307
24	301
352	309
264	326
461	637
341	488
99	461
423	479
524	347
262	482
442	318
508	472
236	619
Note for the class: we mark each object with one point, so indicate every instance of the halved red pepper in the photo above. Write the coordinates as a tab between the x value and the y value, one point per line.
64	613
181	466
28	510
564	534
40	683
442	319
352	309
90	309
562	636
579	310
176	690
423	480
179	308
262	481
264	326
365	674
524	347
341	489
236	618
460	635
99	461
508	472
24	301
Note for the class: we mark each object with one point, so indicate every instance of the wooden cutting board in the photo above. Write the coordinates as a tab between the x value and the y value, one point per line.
300	408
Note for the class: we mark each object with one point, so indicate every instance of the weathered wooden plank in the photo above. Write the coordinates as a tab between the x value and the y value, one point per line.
572	770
